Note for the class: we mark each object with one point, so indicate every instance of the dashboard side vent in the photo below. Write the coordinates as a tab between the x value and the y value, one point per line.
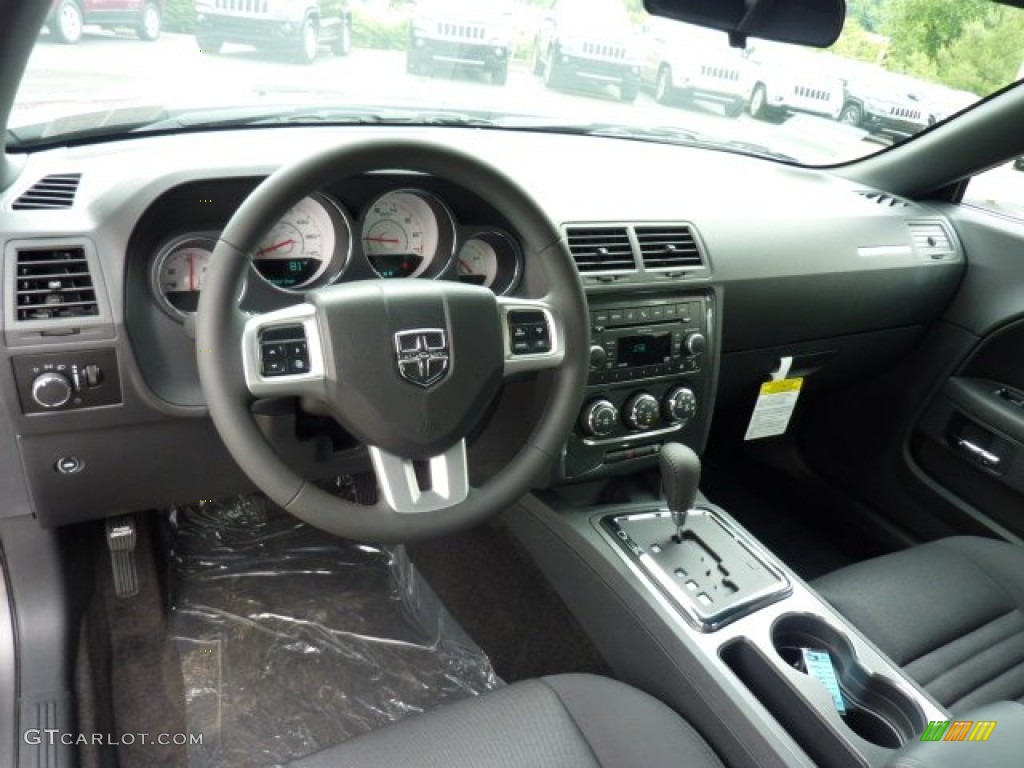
883	199
601	249
53	283
49	193
931	239
668	247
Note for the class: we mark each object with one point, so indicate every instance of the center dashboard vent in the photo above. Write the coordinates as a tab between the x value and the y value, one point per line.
52	192
54	283
668	247
601	249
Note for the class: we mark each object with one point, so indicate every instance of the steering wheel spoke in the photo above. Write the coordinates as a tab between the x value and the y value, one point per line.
533	335
412	487
282	353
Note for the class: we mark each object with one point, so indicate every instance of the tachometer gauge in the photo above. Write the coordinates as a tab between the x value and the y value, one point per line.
308	246
407	233
179	271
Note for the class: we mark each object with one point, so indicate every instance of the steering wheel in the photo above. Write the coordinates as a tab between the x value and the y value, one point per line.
408	367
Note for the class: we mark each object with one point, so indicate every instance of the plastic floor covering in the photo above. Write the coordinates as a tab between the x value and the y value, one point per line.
292	640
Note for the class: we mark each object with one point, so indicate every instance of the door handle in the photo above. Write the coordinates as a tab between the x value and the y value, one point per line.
978	453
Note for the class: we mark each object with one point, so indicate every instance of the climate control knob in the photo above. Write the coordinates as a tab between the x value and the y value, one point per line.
679	405
52	389
598	418
695	343
641	411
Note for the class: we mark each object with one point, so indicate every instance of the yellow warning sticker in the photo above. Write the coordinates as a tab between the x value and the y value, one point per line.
774	408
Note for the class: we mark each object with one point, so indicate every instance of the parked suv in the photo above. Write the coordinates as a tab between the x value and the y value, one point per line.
588	40
878	100
68	17
445	34
299	27
683	62
787	79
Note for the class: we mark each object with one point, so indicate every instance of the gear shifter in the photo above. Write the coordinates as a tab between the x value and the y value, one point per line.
680	476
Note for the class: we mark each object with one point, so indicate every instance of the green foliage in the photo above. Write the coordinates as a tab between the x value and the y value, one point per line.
868	14
856	42
179	16
372	31
973	45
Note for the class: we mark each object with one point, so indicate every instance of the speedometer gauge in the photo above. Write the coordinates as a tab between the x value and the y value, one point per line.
308	246
407	233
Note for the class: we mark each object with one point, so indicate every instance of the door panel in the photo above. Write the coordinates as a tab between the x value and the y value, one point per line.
969	439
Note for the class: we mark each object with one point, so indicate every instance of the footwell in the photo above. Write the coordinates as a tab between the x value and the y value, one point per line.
292	641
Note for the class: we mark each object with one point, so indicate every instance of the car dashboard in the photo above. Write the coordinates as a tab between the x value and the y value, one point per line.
702	269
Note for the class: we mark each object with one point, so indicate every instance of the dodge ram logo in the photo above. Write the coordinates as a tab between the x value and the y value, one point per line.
422	355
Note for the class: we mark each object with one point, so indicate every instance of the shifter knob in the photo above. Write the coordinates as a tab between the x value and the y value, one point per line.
680	476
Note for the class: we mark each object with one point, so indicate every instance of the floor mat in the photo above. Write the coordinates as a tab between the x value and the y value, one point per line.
292	640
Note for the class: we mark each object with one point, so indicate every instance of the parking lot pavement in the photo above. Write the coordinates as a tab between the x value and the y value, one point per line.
107	70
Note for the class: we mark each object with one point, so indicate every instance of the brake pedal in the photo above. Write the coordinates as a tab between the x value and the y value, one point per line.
121	539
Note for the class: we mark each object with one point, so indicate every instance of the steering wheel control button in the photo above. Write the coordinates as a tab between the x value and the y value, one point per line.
69	465
528	332
284	351
272	352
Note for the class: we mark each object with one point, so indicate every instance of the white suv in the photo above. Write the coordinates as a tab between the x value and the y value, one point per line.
683	62
788	79
447	34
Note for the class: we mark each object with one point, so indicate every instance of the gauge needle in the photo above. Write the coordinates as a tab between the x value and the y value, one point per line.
468	269
275	247
191	272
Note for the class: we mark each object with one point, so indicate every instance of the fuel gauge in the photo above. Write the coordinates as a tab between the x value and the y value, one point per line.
491	259
477	262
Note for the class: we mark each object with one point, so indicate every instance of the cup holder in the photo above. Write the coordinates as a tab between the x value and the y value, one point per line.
876	710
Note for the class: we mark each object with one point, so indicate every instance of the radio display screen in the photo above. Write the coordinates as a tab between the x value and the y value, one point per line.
644	350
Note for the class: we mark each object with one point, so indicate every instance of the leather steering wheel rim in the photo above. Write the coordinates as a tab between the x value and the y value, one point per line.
220	324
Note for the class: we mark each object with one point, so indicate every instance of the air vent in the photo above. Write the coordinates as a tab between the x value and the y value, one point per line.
668	247
49	193
601	249
931	239
54	283
883	199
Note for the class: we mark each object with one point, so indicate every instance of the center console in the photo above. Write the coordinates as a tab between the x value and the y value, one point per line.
686	604
651	376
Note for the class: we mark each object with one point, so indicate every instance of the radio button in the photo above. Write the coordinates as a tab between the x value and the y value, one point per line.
615	317
696	343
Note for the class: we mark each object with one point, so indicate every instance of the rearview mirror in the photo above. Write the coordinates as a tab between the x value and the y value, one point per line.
815	23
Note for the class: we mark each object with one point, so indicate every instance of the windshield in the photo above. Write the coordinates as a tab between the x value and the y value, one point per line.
105	68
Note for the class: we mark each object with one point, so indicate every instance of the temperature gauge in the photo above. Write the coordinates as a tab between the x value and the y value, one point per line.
179	272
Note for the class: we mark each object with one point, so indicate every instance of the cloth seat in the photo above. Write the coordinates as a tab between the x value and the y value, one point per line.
949	612
564	721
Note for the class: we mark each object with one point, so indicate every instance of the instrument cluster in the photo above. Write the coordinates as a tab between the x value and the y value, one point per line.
402	233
